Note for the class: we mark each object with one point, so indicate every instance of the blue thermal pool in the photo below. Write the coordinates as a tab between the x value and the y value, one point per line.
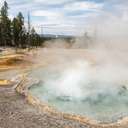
95	99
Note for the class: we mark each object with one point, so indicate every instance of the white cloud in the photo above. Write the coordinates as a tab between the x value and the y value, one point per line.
1	3
122	11
84	6
45	13
66	16
49	2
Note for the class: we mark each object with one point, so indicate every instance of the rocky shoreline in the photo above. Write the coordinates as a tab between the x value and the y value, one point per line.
23	89
16	112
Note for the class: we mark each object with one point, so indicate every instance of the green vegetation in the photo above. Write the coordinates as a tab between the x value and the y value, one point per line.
13	32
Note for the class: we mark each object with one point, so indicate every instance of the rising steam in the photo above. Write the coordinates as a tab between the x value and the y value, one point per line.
93	72
110	70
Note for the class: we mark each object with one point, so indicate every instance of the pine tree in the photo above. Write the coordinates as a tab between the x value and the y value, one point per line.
13	33
18	31
0	33
35	38
5	25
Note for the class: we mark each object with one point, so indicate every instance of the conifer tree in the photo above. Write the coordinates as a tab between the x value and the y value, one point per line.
5	25
13	33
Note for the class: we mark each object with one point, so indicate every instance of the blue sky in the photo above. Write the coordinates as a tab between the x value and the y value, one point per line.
65	16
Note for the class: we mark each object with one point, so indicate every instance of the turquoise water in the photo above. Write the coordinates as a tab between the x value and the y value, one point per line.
104	105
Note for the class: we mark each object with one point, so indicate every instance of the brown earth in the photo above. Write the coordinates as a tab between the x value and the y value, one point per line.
15	112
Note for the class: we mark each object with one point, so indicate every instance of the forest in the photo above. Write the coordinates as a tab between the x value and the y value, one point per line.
14	33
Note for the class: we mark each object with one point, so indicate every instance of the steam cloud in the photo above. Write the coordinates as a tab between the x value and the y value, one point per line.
110	70
92	76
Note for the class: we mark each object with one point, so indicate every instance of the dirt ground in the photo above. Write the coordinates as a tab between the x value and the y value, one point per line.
15	112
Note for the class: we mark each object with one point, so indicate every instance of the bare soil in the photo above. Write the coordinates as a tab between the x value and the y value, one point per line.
15	112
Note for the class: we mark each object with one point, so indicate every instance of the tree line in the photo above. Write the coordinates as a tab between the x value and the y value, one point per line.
13	33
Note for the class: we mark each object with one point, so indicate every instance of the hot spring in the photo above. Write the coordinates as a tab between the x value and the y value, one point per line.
84	89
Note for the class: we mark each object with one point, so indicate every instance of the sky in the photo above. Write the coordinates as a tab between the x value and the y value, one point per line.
68	17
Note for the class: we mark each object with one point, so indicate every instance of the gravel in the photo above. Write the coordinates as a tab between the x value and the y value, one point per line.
15	112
